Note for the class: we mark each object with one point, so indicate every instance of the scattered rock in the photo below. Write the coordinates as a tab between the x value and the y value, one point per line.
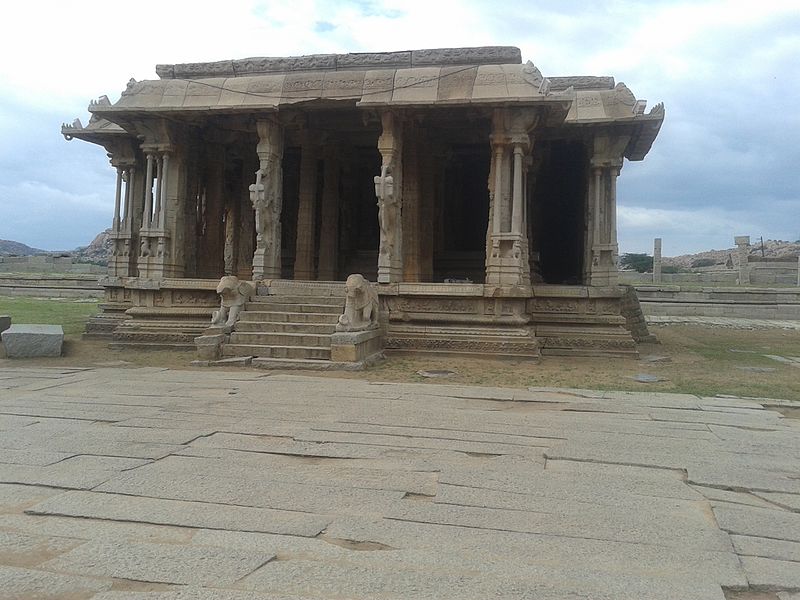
646	378
757	369
656	359
436	373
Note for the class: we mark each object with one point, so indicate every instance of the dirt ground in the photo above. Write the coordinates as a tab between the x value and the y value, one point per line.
690	359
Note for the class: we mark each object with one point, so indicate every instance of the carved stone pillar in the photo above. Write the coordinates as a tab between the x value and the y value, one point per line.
507	240
307	211
605	166
329	225
389	191
266	194
156	253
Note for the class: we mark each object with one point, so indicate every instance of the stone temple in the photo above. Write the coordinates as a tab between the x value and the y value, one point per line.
476	194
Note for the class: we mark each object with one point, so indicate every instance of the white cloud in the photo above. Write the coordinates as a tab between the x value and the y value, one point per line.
726	69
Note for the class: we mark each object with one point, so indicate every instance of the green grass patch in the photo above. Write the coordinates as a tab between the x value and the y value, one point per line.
70	313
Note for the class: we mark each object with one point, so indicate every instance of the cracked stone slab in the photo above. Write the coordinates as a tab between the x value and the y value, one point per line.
759	522
108	531
26	584
92	505
771	574
14	498
160	563
789	501
766	548
194	593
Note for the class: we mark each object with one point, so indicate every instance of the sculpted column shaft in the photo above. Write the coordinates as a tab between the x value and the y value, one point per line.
117	201
159	187
497	210
126	219
163	190
266	194
148	190
389	191
516	214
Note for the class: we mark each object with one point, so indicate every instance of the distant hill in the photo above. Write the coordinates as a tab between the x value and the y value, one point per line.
773	249
11	248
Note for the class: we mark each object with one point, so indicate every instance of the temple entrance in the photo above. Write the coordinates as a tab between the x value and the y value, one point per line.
359	232
462	215
558	209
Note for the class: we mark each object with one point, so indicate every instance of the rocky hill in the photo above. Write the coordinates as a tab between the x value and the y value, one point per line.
773	249
11	248
97	252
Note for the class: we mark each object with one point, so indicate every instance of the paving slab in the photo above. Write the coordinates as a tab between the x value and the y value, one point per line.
151	484
114	507
18	583
160	563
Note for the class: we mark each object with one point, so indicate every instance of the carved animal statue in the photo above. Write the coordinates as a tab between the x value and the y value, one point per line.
361	305
233	295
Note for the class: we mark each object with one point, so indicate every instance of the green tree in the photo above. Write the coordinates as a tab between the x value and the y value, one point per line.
638	262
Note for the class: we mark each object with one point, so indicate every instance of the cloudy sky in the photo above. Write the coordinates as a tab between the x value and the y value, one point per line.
727	161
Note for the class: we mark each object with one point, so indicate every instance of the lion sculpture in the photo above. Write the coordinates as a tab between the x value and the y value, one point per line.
233	296
361	305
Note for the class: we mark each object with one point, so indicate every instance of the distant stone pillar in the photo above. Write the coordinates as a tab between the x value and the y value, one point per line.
743	251
657	260
148	191
329	227
389	192
266	195
306	212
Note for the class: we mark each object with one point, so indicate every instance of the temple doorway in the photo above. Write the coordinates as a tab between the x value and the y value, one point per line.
558	209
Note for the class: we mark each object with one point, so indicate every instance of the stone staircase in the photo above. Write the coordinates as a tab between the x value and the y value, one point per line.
288	325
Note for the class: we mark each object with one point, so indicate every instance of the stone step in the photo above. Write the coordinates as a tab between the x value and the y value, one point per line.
260	351
282	327
259	316
306	289
290	299
295	308
308	364
280	339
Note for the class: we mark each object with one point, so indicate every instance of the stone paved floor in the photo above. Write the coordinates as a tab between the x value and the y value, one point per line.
150	484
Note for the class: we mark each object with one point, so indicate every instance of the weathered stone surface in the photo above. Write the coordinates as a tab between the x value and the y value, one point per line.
162	563
766	548
26	584
422	490
174	512
771	574
776	524
27	341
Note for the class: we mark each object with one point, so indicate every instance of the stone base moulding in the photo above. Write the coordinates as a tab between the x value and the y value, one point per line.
362	347
33	341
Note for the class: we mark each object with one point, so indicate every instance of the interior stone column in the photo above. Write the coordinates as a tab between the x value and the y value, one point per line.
507	240
266	195
306	212
389	191
329	227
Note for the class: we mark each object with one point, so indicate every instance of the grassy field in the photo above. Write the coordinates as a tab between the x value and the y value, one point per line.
68	312
690	359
